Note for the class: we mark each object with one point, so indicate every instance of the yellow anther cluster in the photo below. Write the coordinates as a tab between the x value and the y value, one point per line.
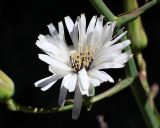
82	59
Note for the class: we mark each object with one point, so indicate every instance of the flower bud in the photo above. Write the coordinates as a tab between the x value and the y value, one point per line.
136	30
6	87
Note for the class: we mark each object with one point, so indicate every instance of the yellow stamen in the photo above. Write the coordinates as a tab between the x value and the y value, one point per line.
82	59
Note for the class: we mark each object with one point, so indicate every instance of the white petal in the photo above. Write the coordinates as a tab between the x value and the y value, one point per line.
77	104
58	70
51	49
94	82
62	36
83	81
82	30
73	30
43	82
112	57
99	24
110	79
62	96
52	29
107	66
108	30
57	39
61	30
100	75
74	35
70	81
123	58
48	86
119	46
59	43
47	82
95	40
115	40
91	25
115	48
46	45
57	65
69	24
105	58
89	39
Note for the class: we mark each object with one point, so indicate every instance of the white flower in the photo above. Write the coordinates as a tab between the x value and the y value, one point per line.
80	65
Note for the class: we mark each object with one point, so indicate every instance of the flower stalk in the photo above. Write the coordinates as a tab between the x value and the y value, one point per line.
14	106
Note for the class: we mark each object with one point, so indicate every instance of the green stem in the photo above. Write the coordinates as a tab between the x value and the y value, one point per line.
120	86
148	112
143	73
12	105
141	93
100	6
130	16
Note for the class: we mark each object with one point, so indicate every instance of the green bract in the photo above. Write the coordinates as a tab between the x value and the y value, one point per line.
6	87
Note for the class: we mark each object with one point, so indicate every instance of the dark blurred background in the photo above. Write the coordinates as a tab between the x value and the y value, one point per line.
21	21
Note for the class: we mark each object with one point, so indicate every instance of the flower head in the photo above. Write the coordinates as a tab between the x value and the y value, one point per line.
80	64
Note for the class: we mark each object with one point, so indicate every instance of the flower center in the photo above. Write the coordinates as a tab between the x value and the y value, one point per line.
80	60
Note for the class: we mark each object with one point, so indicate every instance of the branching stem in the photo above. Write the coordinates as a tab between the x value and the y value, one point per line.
12	105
